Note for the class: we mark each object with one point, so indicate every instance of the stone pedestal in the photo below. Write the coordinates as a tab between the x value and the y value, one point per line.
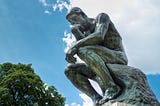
134	85
116	104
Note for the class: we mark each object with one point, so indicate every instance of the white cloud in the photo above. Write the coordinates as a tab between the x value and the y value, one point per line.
60	5
44	3
86	100
69	39
47	12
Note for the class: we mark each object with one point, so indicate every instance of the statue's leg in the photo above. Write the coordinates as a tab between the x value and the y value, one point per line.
79	74
96	58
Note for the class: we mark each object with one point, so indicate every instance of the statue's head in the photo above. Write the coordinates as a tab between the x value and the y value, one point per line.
76	15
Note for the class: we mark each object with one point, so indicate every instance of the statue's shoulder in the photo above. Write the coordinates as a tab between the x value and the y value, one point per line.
102	17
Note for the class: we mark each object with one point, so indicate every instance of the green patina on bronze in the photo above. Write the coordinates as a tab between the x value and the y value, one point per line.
99	45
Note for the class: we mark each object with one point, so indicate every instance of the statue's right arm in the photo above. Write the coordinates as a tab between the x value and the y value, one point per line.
97	37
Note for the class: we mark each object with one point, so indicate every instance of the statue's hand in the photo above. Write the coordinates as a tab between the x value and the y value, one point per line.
77	31
76	27
70	55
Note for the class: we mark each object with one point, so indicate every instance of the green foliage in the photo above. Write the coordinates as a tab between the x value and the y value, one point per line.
20	86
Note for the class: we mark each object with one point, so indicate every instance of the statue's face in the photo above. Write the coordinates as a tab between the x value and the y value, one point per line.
77	19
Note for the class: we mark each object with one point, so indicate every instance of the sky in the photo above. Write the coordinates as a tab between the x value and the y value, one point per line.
36	32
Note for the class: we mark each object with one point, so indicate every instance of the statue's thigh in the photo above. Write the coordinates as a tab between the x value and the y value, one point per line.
108	55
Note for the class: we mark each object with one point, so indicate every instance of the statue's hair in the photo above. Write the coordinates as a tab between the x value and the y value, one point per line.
75	10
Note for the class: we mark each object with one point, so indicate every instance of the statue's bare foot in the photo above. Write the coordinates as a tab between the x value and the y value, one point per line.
110	93
96	100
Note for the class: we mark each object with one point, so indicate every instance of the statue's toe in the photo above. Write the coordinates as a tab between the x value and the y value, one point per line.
96	100
110	93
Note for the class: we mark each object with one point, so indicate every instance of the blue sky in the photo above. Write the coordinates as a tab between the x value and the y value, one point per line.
31	32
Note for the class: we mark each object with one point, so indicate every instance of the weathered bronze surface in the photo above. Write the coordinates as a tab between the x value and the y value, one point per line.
99	45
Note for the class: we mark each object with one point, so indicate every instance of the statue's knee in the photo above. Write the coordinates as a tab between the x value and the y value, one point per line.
69	72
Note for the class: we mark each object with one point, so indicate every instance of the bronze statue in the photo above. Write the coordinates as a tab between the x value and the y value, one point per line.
98	45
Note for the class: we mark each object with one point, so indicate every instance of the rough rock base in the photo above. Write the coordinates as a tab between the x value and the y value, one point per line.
134	85
116	104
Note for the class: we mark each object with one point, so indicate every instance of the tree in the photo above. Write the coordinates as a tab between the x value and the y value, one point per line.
20	86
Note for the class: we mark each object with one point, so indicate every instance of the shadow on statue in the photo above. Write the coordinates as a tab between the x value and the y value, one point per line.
99	45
